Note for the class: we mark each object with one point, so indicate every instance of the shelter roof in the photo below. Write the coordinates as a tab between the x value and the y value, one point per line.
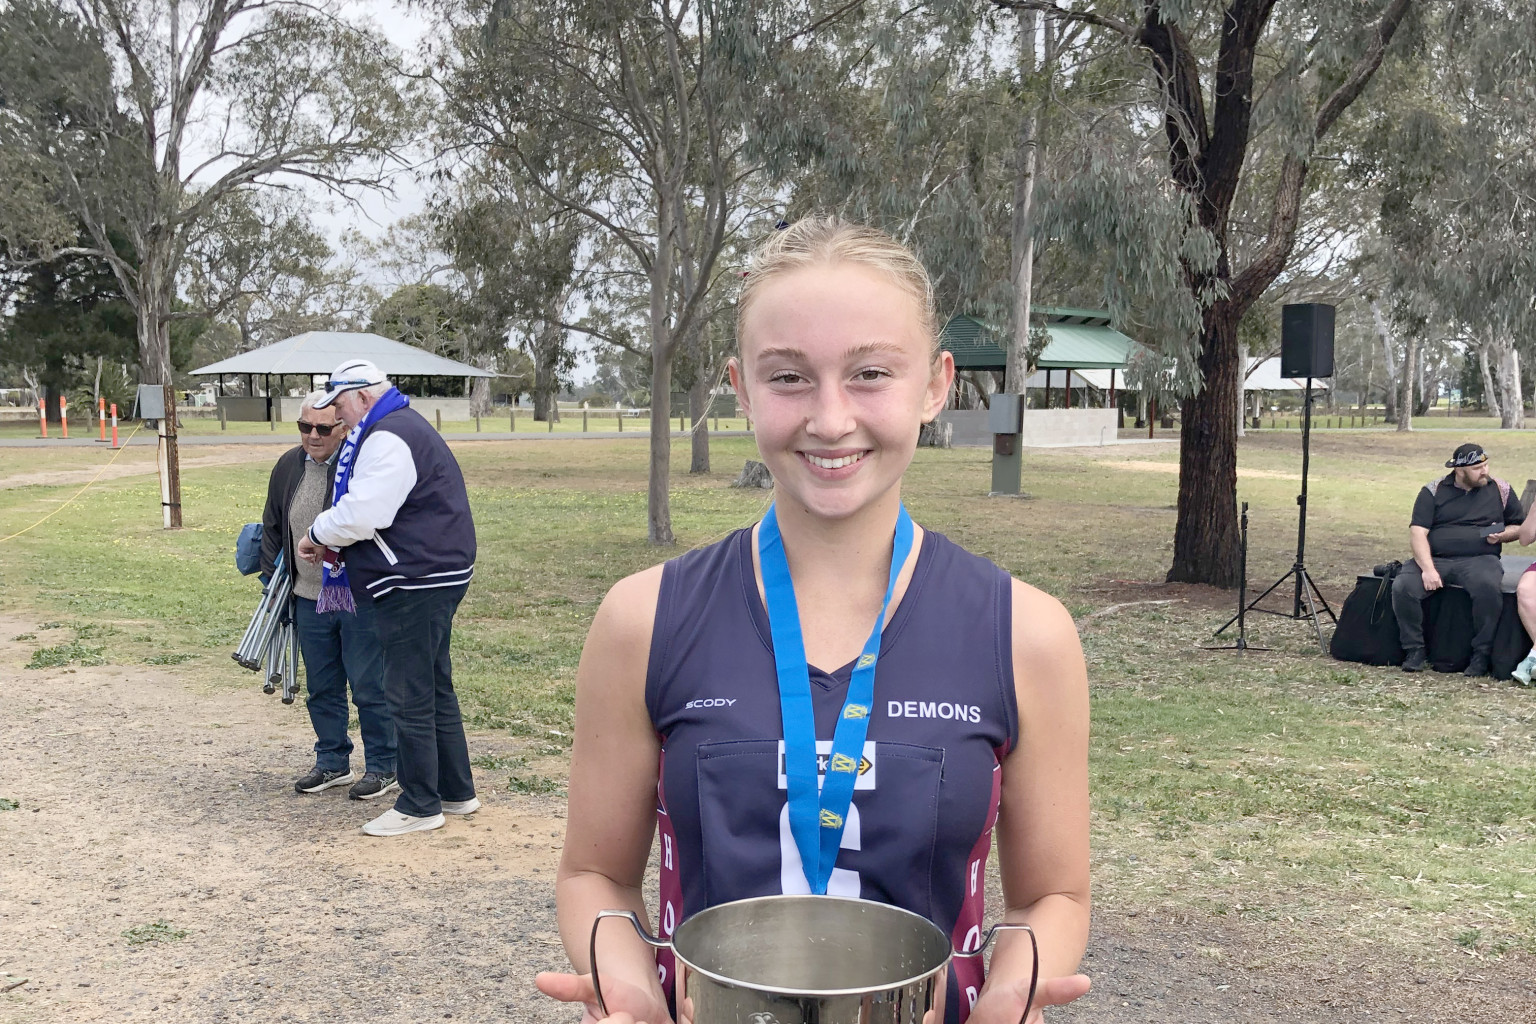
1264	375
1080	339
317	352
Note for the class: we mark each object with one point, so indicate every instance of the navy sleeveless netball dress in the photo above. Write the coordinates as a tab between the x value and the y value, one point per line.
920	826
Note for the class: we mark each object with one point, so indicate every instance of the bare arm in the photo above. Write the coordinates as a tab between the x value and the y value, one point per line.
1418	540
611	816
1042	830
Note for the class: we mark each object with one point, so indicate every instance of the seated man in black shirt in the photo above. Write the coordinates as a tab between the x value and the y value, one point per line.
1460	522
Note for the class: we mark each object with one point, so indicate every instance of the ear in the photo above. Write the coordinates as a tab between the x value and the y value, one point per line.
939	382
734	370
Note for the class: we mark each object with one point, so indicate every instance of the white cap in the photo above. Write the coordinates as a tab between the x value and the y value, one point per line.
350	376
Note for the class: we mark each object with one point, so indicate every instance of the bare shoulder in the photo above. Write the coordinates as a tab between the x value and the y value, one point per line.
628	608
1039	619
1047	654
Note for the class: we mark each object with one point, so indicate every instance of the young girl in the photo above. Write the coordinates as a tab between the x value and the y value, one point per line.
700	710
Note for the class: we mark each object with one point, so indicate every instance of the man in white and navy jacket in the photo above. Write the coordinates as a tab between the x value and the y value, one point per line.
408	541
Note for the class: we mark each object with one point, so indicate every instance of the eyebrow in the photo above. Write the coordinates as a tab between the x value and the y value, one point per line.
866	349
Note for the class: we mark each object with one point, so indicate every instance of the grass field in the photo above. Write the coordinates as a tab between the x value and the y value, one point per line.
1285	790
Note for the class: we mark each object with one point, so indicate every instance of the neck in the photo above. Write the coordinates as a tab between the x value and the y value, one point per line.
857	548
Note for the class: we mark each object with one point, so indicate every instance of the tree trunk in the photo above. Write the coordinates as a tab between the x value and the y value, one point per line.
1242	391
658	497
1490	390
1424	395
1023	242
156	290
1205	538
546	383
698	412
480	390
1405	385
1388	343
1511	402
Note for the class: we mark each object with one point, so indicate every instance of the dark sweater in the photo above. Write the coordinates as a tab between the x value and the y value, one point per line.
281	485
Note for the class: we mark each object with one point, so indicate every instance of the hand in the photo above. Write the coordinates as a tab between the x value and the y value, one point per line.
1004	1003
1503	536
310	551
627	1003
1432	580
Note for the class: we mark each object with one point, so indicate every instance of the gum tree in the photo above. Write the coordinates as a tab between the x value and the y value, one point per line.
1212	68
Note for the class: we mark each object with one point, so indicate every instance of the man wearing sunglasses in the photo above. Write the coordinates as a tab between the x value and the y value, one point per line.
337	649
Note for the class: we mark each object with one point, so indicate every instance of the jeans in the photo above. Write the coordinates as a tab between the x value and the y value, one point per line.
414	631
338	647
1482	576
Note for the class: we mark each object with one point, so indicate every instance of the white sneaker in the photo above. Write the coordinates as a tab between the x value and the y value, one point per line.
393	823
469	806
1524	670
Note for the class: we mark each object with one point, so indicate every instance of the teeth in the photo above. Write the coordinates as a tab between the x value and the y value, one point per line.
846	460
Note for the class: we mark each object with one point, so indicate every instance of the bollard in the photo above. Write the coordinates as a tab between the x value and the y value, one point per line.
717	423
583	419
621	420
512	426
63	417
114	425
42	415
680	426
477	422
101	414
223	425
439	420
549	418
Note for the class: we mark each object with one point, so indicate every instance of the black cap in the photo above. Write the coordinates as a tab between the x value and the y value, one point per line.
1467	455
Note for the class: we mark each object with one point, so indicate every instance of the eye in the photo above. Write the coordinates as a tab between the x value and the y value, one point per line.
871	374
785	377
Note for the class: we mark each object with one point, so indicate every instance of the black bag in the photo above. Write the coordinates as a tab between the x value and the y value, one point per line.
1367	630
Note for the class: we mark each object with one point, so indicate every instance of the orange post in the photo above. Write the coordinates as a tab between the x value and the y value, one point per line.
42	415
114	425
101	415
63	417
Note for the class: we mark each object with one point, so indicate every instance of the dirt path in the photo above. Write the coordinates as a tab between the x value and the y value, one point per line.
135	463
147	797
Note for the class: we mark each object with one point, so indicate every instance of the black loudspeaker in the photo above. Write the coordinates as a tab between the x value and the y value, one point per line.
1306	340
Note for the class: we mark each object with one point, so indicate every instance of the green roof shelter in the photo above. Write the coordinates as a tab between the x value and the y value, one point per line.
1080	339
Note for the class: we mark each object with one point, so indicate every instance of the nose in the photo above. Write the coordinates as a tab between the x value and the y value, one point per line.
832	414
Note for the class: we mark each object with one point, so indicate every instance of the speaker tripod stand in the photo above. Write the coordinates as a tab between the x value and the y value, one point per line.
1240	618
1306	588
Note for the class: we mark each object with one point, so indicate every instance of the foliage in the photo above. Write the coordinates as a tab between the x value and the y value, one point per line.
258	88
423	315
159	931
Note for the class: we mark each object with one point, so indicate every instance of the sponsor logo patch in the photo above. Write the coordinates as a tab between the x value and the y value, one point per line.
825	762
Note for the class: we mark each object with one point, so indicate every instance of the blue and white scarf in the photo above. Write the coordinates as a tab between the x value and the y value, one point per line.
335	591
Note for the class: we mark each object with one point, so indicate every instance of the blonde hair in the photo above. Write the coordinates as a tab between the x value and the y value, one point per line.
828	241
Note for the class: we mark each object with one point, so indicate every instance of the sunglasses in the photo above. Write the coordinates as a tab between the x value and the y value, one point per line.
323	429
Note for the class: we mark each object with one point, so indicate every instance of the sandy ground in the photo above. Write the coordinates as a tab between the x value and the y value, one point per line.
140	465
148	796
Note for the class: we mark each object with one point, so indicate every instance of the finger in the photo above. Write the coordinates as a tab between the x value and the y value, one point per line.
1060	991
567	988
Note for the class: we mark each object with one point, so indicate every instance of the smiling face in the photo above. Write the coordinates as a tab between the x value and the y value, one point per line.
837	376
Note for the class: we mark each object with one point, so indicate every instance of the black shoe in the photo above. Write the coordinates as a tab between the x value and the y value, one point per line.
1415	661
319	780
374	785
1478	666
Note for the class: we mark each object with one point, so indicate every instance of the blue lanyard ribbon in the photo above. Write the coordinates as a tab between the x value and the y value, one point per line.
817	820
